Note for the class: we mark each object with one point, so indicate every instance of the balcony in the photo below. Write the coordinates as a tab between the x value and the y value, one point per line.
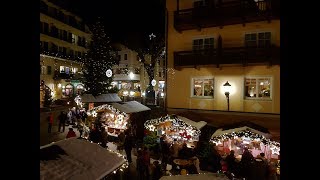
233	55
226	13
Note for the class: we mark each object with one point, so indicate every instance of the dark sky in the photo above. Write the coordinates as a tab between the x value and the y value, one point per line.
124	19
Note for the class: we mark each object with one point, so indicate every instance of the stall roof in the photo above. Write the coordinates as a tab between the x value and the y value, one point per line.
77	159
130	107
206	176
242	126
198	125
107	98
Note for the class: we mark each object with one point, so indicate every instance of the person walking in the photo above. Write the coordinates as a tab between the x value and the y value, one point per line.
62	121
50	121
128	146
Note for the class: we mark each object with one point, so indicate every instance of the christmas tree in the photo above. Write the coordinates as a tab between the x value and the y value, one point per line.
99	59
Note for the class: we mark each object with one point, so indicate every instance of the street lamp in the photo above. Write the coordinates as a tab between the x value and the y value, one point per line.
227	88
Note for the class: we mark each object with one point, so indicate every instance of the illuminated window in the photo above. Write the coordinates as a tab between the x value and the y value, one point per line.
257	88
62	69
203	87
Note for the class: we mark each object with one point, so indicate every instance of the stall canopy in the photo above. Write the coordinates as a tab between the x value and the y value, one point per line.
237	136
103	98
198	125
241	126
78	159
130	107
206	176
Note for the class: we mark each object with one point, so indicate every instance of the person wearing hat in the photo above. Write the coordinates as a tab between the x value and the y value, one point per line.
71	133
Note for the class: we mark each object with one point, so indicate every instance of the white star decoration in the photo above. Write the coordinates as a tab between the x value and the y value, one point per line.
94	114
152	36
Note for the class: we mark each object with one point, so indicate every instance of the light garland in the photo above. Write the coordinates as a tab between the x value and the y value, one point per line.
275	146
185	130
121	168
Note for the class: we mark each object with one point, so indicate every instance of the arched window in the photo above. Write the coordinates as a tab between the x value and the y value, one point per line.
68	90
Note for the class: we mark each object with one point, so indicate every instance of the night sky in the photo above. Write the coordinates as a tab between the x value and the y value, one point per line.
125	20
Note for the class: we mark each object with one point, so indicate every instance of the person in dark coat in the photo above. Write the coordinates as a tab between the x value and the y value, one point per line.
62	121
259	170
246	162
157	172
231	161
128	146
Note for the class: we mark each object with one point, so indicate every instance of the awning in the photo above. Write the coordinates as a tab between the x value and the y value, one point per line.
198	125
104	98
112	97
130	107
77	159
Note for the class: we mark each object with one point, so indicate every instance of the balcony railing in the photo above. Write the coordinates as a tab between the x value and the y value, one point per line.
234	55
226	13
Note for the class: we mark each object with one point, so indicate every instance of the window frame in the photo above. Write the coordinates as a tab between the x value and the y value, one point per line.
203	38
257	86
258	39
202	78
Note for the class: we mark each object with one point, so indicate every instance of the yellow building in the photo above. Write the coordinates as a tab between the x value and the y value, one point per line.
211	42
64	40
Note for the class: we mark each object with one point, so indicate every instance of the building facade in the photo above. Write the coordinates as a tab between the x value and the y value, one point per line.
131	77
211	42
64	40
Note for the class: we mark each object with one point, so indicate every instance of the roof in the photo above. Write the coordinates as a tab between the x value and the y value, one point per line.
239	128
104	98
198	125
130	107
245	123
77	159
206	176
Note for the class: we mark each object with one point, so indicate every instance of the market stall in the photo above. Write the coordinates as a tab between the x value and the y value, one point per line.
113	120
245	137
176	128
203	176
78	159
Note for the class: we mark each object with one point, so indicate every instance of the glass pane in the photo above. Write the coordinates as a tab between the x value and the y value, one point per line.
268	35
253	37
208	87
197	88
250	91
264	88
261	36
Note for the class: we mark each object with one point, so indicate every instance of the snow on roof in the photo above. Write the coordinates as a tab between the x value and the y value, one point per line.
77	160
241	128
198	125
87	98
130	107
111	97
206	176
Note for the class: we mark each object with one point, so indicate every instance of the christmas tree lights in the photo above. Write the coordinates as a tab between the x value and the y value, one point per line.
97	61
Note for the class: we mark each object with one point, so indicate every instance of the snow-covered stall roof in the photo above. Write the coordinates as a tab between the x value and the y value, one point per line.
77	159
198	125
222	131
111	97
130	107
87	98
206	176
